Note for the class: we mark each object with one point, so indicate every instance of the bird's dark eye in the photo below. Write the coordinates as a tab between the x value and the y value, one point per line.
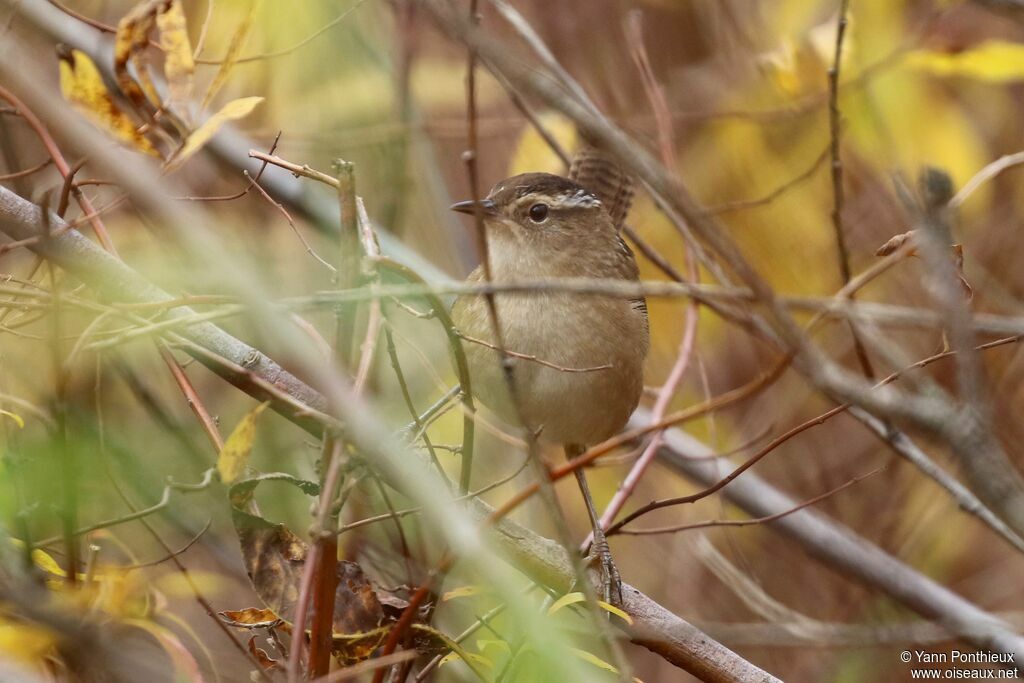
538	212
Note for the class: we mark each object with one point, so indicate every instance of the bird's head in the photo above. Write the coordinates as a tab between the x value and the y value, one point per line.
540	207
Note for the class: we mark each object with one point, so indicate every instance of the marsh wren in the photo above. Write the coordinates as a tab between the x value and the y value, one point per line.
578	359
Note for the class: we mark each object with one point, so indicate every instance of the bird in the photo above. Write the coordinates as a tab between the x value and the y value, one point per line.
576	360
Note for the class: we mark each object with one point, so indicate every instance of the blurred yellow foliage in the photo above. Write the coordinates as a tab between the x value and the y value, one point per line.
25	643
531	151
995	61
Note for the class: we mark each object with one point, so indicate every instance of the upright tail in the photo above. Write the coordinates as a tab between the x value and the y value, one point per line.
597	171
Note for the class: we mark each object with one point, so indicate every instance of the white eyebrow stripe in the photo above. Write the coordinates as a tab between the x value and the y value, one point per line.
578	199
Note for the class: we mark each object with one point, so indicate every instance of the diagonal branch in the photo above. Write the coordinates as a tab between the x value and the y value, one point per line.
934	413
655	627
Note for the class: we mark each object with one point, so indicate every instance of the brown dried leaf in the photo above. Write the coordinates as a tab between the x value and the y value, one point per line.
130	43
178	63
958	259
234	49
895	243
250	617
266	661
274	560
82	86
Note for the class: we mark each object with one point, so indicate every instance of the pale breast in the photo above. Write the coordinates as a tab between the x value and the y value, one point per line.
586	375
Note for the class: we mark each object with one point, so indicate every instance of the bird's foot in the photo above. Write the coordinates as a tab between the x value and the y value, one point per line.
611	582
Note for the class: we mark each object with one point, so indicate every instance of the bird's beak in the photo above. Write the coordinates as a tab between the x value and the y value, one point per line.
469	206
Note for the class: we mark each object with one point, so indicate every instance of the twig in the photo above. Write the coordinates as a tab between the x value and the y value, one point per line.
987	173
195	403
176	553
838	196
27	171
532	359
965	498
748	522
288	50
296	169
204	31
659	104
361	668
780	190
61	164
291	223
165	500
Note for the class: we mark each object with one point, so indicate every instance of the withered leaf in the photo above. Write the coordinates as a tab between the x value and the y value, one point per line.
895	243
250	617
234	109
130	43
265	660
234	49
82	86
178	63
958	259
274	560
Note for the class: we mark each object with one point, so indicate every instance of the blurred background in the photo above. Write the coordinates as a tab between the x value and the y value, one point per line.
746	86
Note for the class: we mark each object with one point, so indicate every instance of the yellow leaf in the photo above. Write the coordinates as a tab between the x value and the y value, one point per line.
477	659
995	61
235	454
593	659
565	601
461	592
616	611
235	109
14	416
82	86
43	560
40	558
24	642
484	644
234	48
178	63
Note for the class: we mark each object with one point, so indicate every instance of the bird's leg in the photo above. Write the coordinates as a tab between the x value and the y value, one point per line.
611	582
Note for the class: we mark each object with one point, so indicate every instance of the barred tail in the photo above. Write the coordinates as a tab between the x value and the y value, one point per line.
598	172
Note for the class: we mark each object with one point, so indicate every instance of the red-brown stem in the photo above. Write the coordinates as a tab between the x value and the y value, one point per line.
61	164
26	172
191	396
410	612
663	120
751	522
778	441
323	605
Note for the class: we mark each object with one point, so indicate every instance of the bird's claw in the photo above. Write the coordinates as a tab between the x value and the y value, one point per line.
611	581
